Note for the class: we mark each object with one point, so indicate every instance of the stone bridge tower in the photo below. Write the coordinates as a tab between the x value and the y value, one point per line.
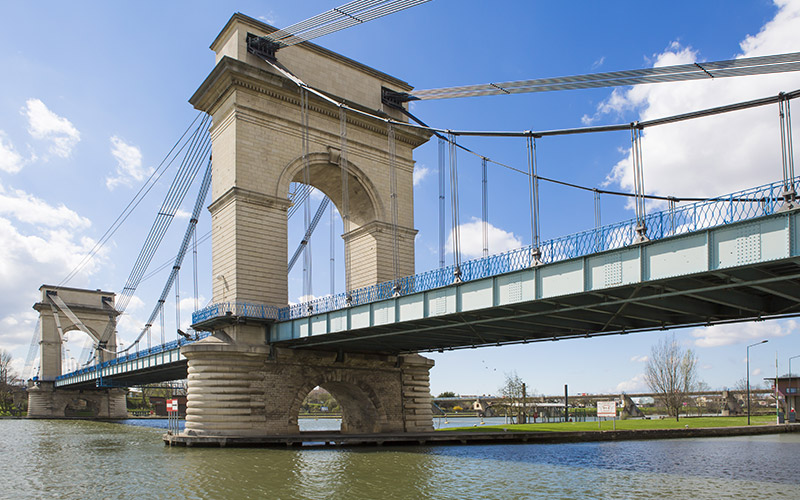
63	310
239	385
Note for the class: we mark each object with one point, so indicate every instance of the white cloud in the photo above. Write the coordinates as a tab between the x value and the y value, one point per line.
756	372
719	154
268	18
129	164
640	359
740	333
636	384
181	214
41	244
472	239
10	161
45	125
420	173
598	62
27	208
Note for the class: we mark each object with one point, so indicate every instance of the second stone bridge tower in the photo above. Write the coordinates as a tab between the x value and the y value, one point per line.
262	142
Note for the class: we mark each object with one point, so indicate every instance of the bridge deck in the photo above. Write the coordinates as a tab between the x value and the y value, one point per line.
744	271
729	259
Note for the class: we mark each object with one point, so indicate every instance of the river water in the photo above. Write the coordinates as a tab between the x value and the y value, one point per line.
87	460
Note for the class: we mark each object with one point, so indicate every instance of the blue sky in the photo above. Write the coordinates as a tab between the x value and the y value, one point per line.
94	95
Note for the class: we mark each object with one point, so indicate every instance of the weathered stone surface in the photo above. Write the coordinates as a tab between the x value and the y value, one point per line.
234	390
46	402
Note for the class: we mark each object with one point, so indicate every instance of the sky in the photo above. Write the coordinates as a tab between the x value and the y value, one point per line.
95	94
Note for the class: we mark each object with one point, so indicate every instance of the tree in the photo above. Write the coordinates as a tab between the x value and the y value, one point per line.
671	372
741	388
447	394
8	381
513	390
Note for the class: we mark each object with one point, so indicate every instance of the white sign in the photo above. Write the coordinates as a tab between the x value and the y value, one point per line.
606	409
172	405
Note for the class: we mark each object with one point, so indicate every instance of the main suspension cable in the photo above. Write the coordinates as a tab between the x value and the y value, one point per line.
533	193
442	152
202	194
393	199
344	168
456	229
307	262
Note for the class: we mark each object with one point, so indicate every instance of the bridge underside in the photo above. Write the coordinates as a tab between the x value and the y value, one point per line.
177	370
753	292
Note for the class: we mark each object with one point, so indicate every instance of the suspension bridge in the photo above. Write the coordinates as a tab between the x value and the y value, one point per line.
282	115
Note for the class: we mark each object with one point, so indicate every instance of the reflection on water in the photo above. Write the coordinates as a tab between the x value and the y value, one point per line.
78	459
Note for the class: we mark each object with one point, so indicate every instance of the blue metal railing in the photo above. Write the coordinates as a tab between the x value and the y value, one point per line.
134	355
735	207
236	309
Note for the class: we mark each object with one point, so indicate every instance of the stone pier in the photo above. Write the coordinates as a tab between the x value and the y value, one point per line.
252	390
45	401
63	310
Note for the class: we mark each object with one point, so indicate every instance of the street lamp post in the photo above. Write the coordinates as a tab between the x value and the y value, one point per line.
790	363
748	377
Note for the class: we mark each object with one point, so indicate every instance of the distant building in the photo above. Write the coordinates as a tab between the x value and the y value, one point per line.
788	394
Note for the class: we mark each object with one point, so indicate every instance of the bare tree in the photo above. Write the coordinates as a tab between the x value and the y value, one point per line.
741	390
514	394
671	372
8	380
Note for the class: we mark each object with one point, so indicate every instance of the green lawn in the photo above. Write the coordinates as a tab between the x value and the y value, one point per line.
692	423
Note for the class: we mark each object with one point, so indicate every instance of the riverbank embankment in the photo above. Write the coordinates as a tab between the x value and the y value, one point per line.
460	437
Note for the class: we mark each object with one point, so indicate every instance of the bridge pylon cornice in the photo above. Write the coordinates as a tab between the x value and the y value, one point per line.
231	74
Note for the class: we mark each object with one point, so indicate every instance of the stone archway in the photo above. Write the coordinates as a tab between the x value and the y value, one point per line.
80	407
326	175
363	412
257	142
62	310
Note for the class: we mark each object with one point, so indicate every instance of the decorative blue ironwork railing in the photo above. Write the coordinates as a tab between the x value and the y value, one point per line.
735	207
235	309
135	355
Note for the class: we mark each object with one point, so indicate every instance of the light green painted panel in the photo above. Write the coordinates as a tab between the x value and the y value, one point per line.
411	307
775	239
338	320
514	287
795	237
613	269
319	324
676	257
476	294
735	246
748	243
360	316
562	278
298	326
281	331
383	312
440	301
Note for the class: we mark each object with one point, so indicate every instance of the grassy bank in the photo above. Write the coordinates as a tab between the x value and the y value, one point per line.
692	423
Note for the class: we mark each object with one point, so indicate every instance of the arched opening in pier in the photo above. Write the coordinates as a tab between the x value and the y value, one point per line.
358	408
77	348
80	407
320	411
